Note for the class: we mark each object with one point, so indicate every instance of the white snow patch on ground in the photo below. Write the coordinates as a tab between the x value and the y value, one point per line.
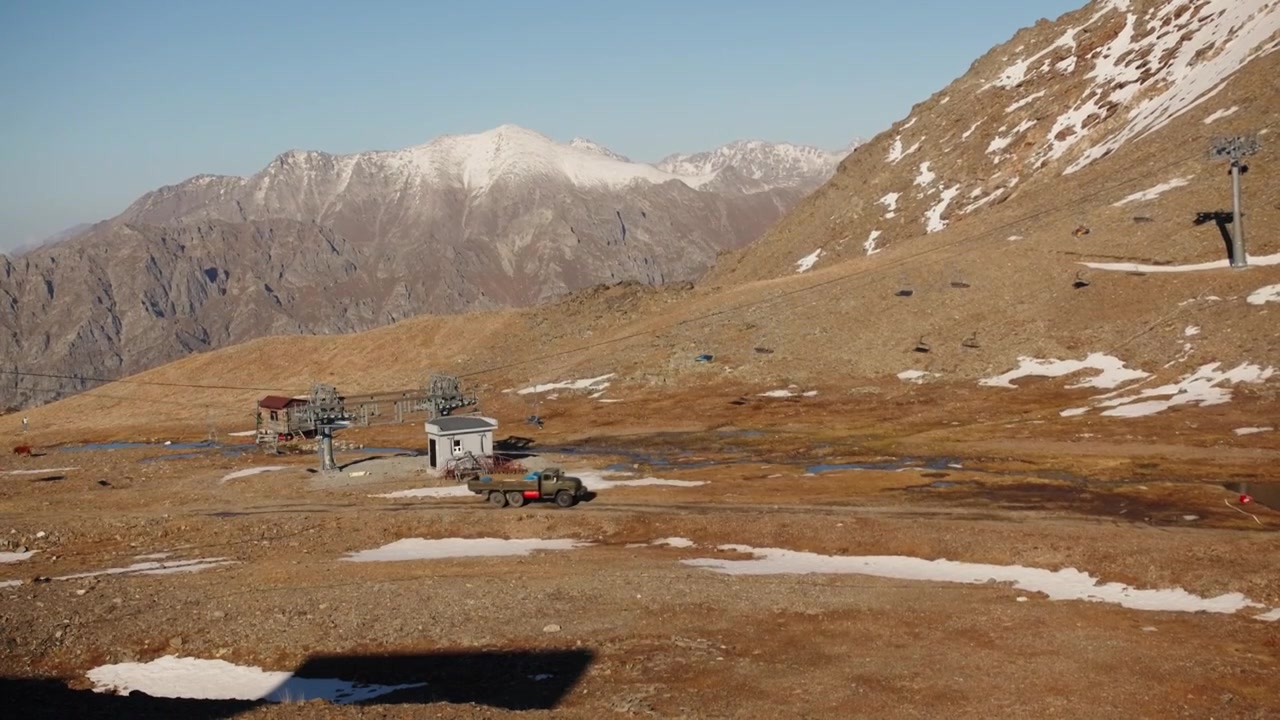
1218	115
155	568
1260	260
969	132
1003	141
38	472
439	549
459	490
1111	371
792	391
1065	584
925	176
10	583
933	218
675	542
243	433
890	203
1252	430
593	384
1155	192
251	471
12	557
807	262
1191	330
153	556
1014	238
1264	295
594	480
915	376
1271	616
1074	412
1202	387
198	679
870	245
1025	101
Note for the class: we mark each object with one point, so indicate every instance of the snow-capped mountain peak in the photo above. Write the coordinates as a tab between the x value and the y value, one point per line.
775	164
595	147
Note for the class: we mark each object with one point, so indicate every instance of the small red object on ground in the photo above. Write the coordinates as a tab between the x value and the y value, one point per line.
22	450
1245	499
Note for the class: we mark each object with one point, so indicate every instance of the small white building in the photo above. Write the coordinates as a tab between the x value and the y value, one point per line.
451	437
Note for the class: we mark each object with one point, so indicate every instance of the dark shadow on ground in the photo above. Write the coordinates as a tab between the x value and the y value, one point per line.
503	679
516	447
1223	219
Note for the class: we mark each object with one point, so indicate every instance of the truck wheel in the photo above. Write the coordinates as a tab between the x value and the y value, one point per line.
565	499
515	498
497	499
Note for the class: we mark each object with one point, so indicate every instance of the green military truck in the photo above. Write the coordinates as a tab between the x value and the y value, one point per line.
543	485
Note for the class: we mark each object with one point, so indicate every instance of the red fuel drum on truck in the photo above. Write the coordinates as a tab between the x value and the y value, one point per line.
531	494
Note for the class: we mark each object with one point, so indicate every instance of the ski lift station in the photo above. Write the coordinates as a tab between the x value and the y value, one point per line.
456	437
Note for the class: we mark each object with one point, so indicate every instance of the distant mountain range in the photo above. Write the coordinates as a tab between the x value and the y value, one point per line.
321	243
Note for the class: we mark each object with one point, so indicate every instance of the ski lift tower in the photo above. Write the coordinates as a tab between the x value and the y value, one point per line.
326	411
1235	148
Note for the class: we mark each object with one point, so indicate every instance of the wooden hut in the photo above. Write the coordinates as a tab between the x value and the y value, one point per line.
281	418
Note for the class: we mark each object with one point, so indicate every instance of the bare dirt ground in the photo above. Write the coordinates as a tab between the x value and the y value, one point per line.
622	627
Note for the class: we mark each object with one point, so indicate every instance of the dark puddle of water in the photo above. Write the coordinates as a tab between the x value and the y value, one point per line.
940	463
1267	494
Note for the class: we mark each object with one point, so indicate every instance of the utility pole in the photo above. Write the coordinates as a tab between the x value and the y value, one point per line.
1235	148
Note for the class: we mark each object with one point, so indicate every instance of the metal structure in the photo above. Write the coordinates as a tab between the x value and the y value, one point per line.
444	395
326	412
1235	148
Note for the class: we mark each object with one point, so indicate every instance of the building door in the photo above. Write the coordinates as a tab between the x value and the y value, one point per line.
431	452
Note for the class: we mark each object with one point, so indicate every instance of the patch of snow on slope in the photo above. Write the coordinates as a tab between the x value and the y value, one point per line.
459	490
807	262
1218	115
1001	142
1252	430
12	557
10	583
594	480
1064	584
1190	56
197	679
251	471
925	176
1111	371
1203	388
870	245
1264	295
915	376
154	568
439	549
933	218
890	203
593	384
969	132
38	472
1191	330
1271	616
1155	192
1259	260
1025	101
675	542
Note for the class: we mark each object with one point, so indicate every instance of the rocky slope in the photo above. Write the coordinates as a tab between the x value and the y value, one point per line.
320	243
1116	86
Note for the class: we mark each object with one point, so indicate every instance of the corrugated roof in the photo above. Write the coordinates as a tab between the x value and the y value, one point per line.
276	402
461	424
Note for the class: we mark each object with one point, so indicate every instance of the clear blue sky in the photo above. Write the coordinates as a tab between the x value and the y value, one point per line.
102	101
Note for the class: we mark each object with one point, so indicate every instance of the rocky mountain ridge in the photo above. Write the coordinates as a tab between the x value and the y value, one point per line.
321	243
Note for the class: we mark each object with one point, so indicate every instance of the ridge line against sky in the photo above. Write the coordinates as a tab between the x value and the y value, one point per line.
102	102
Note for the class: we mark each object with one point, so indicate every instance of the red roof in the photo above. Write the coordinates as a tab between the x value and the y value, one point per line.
277	402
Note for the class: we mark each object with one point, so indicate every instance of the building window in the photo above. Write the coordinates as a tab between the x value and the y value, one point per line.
457	445
274	415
